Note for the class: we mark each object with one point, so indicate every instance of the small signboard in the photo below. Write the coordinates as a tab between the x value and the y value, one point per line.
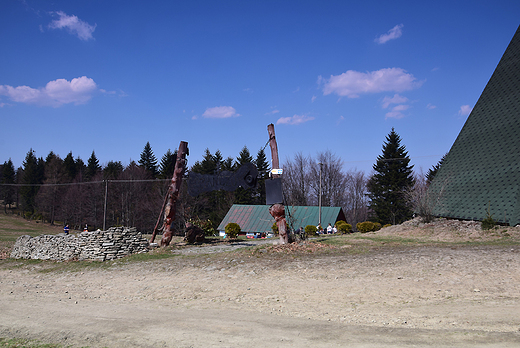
277	171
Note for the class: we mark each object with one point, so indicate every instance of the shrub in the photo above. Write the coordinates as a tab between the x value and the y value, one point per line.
310	230
232	230
377	226
275	228
343	227
366	226
387	225
488	223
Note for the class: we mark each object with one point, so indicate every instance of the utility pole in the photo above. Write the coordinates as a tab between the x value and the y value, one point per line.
319	198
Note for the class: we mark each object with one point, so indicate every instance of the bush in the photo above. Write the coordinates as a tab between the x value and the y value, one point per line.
275	228
310	230
368	226
343	227
232	230
387	225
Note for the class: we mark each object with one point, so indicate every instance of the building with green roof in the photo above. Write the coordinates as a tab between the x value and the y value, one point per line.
256	218
481	172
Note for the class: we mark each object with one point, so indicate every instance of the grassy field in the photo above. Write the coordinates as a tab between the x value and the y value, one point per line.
12	226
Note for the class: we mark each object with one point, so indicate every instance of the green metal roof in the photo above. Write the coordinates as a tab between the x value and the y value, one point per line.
256	218
482	169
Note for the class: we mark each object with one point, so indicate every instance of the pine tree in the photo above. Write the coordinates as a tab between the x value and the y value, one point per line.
70	167
93	167
148	160
433	170
263	173
244	157
31	179
8	178
167	166
392	178
207	166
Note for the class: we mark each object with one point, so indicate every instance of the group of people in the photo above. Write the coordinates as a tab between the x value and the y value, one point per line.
66	229
329	230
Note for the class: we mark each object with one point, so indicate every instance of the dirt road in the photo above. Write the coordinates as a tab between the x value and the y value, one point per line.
391	297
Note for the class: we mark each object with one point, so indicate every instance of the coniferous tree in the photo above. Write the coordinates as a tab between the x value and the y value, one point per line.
93	167
70	167
207	166
32	177
244	157
148	160
433	170
263	173
167	166
393	177
8	179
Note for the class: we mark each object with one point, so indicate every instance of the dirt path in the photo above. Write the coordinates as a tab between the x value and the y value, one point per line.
394	297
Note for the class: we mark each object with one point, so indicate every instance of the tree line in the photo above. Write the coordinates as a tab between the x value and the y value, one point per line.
72	192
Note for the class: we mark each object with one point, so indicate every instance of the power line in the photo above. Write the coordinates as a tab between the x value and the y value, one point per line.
87	183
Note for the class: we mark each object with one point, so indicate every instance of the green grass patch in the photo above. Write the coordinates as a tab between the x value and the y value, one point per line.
25	343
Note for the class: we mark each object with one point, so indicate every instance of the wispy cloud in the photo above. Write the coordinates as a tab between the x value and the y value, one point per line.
74	25
430	106
220	112
392	34
396	99
397	111
56	93
465	110
272	112
313	99
353	83
295	120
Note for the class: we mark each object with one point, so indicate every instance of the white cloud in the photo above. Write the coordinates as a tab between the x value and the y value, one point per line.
295	120
74	25
396	99
275	111
465	110
353	83
397	111
430	106
313	99
220	112
392	34
56	93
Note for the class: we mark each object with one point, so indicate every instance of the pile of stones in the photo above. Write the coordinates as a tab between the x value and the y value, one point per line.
98	245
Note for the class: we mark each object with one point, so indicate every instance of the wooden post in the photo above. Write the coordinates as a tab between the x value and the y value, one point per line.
173	194
277	210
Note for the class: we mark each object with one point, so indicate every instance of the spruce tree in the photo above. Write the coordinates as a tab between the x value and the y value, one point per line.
262	165
148	160
167	166
433	170
93	167
31	180
393	177
8	178
244	157
70	167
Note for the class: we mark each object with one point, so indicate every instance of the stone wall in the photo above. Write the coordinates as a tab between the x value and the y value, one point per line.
97	245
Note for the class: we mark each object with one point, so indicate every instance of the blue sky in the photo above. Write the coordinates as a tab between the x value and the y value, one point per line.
110	76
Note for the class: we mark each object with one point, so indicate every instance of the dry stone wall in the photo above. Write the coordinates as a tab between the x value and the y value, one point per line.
97	245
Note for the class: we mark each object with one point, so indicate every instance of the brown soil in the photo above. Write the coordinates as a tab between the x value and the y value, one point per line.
375	293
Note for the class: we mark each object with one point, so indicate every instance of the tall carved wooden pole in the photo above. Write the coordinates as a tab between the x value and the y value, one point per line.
277	210
172	195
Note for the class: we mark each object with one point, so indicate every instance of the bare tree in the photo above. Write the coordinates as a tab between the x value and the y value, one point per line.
356	200
332	180
295	180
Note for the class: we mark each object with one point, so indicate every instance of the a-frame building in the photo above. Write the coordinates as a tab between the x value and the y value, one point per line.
481	172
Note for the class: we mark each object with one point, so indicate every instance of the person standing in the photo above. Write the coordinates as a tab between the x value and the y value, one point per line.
329	229
66	229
